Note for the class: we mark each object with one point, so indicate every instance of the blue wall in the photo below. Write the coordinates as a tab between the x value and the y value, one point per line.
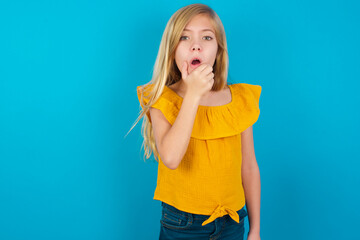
68	77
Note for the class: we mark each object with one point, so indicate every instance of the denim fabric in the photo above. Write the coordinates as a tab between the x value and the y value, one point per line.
177	224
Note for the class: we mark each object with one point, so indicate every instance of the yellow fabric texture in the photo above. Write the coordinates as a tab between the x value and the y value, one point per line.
208	179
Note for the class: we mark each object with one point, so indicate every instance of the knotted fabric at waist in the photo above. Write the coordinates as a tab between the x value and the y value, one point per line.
221	211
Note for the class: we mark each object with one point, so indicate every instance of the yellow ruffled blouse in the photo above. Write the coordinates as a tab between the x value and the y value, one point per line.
208	179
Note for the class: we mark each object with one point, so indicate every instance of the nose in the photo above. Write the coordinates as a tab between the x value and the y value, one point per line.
195	46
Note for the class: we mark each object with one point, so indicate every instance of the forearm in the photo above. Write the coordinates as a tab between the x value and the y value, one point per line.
252	189
177	139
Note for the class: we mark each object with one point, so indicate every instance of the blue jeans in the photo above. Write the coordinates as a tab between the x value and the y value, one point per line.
176	224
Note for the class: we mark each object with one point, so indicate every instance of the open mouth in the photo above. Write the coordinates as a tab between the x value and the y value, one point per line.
195	62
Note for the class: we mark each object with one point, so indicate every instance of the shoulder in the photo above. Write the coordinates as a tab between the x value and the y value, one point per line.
151	90
246	87
246	93
144	90
162	99
147	92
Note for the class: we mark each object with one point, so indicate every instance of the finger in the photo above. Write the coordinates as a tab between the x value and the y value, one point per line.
184	70
201	67
210	74
208	69
209	77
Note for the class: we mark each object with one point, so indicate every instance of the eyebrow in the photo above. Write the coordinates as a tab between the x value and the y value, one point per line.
201	30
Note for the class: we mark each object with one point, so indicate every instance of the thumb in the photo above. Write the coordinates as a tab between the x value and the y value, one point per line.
184	70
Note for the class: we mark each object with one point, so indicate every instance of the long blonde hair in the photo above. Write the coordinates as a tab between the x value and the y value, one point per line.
166	72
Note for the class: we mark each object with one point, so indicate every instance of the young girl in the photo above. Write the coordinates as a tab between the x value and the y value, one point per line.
200	131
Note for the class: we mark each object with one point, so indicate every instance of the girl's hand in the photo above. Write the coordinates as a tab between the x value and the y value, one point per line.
253	236
199	81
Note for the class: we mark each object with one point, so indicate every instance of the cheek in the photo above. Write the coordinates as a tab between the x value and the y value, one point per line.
212	55
215	49
179	51
179	55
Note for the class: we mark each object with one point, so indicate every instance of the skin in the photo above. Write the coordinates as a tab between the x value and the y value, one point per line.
197	40
172	140
251	182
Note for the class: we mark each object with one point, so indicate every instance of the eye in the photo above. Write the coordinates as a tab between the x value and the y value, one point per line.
206	37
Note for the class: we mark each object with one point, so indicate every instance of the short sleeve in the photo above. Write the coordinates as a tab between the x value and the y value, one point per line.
249	104
165	103
255	92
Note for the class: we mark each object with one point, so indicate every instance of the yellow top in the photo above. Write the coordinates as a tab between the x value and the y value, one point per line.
208	179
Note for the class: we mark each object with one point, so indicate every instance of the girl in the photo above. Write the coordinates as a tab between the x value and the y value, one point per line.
200	131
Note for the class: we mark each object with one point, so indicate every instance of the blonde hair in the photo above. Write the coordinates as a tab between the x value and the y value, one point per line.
166	72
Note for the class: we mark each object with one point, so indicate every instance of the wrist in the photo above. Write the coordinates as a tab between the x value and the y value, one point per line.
193	98
254	230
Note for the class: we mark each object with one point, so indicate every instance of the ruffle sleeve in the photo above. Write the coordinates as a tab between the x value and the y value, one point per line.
164	103
213	121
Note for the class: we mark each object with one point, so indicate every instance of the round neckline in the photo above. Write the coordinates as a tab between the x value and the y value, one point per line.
204	106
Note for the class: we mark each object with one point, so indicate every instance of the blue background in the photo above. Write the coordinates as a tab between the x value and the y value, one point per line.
68	77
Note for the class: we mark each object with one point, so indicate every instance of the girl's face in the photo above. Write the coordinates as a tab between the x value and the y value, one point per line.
197	41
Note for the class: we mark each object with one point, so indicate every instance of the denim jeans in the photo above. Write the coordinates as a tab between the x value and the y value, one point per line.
177	224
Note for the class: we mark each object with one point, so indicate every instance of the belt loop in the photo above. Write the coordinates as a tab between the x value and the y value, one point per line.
190	217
